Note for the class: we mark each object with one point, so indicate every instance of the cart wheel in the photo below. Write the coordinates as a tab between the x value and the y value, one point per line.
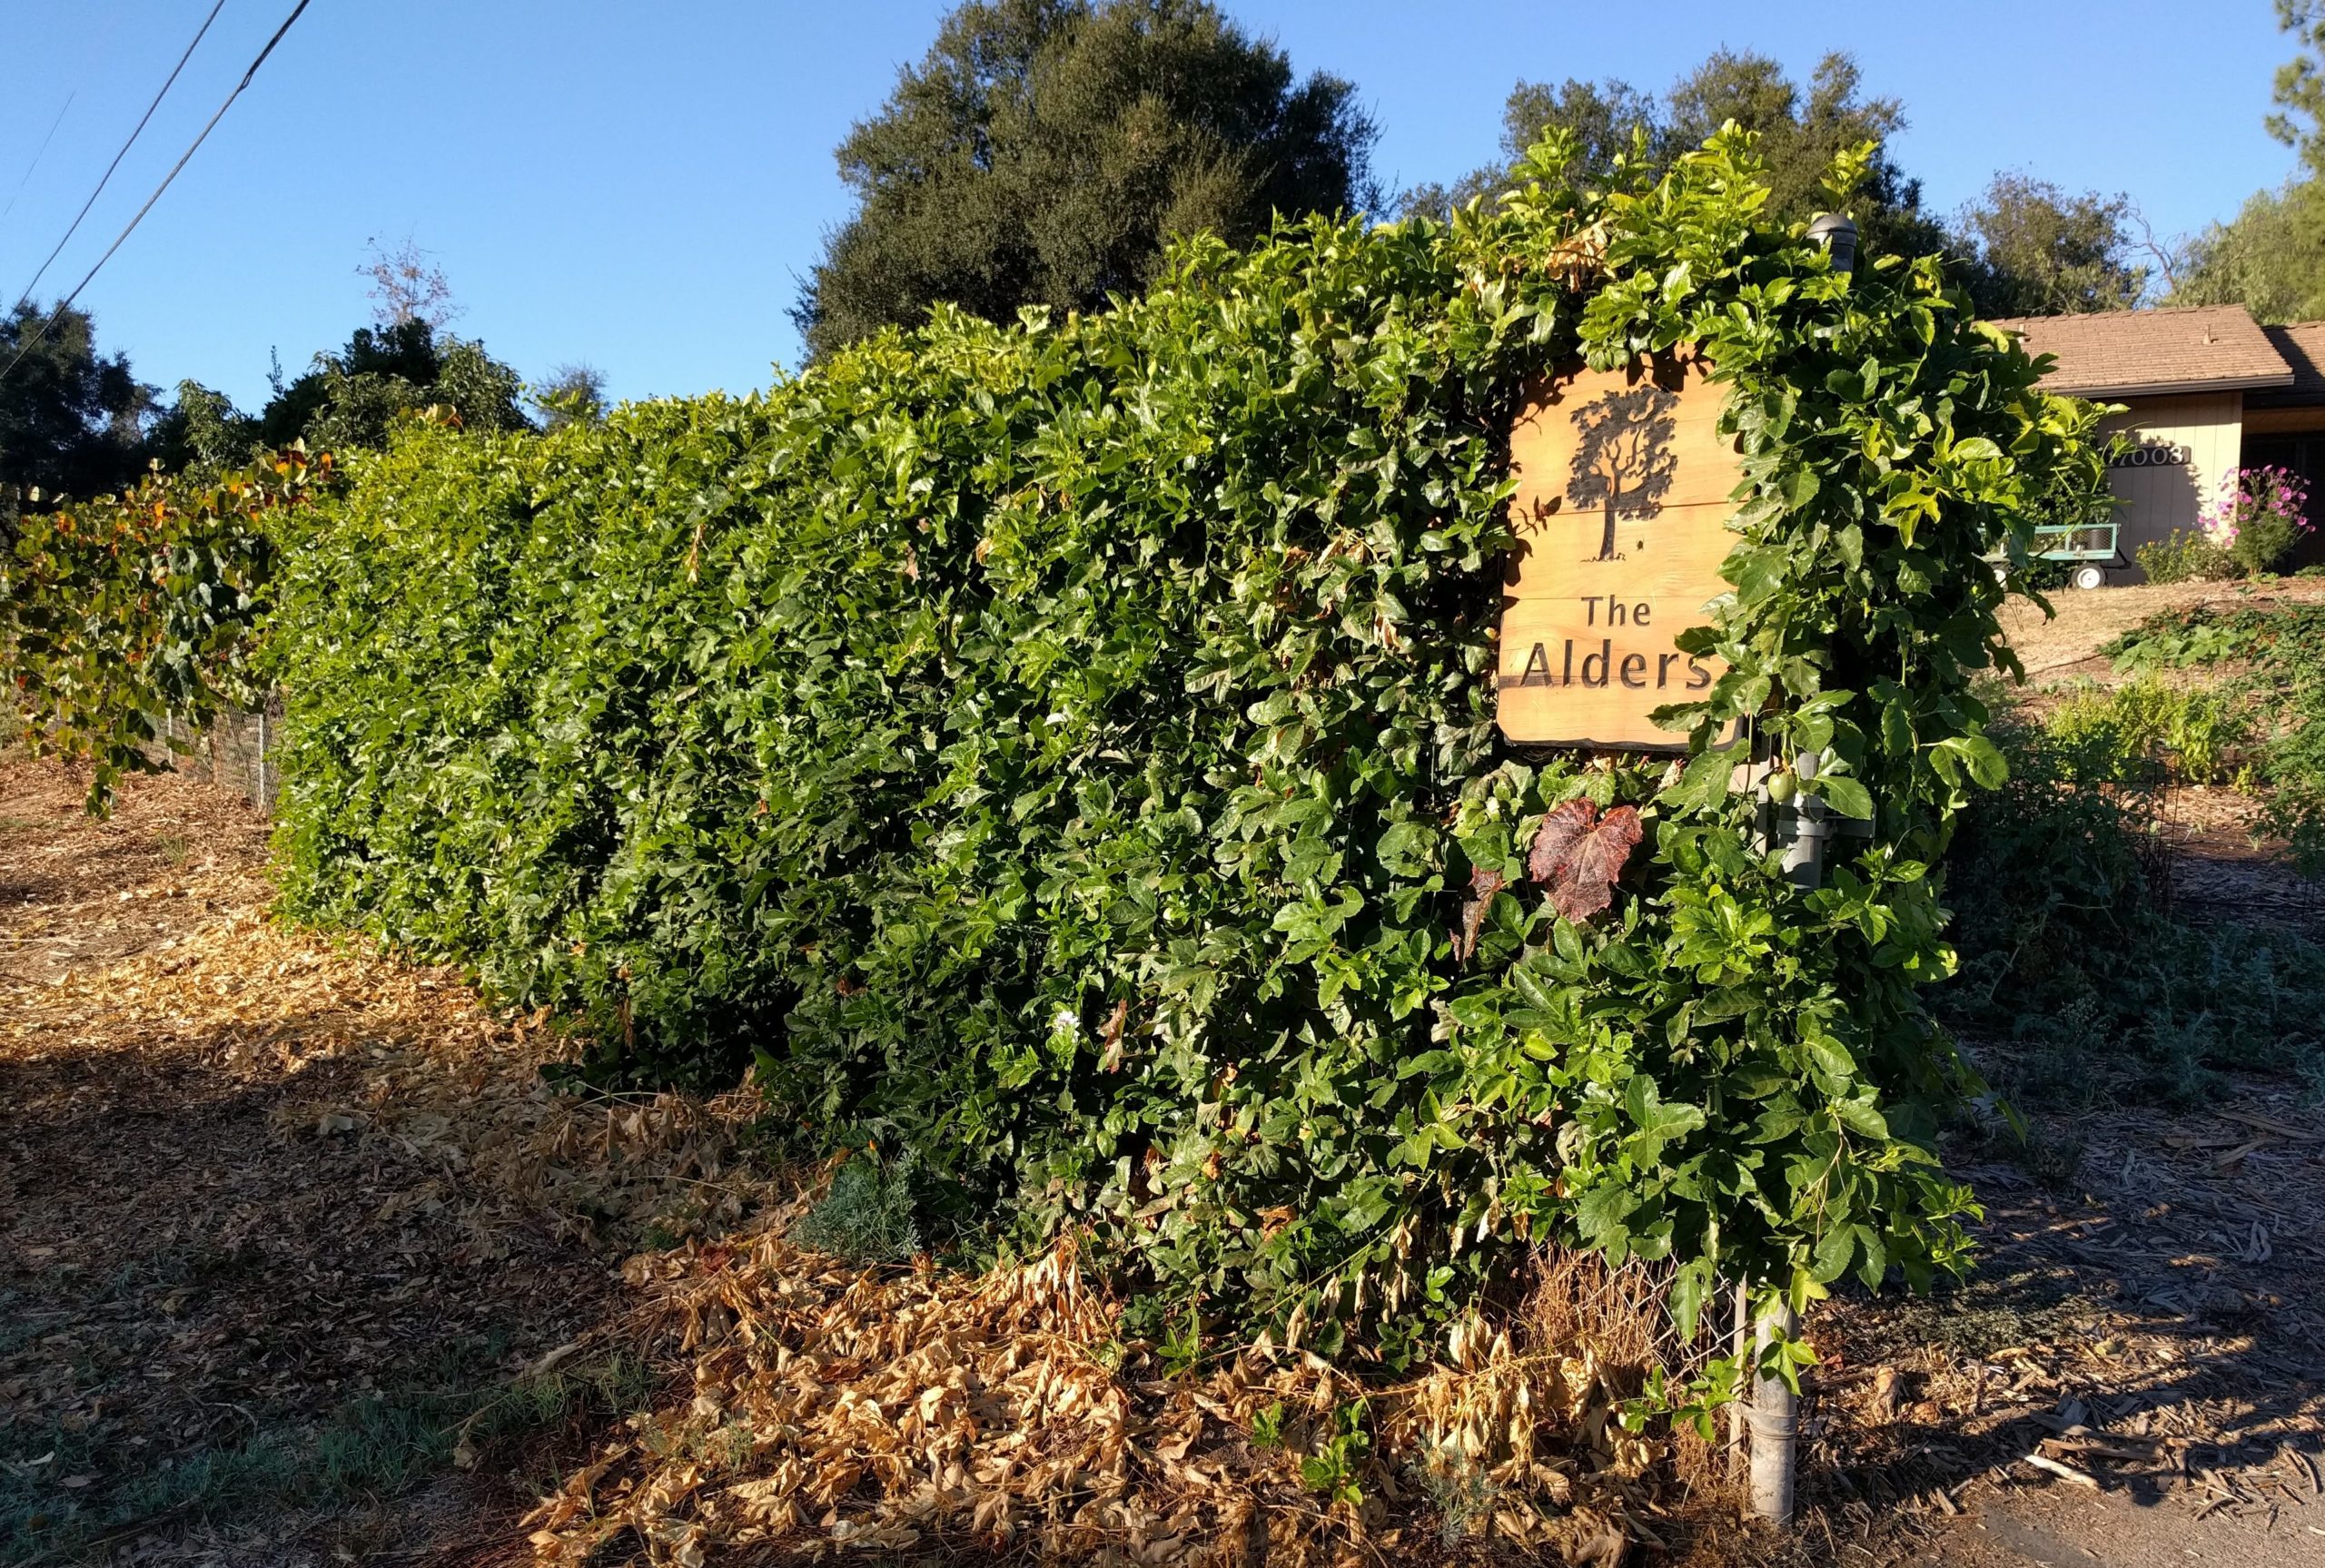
2089	577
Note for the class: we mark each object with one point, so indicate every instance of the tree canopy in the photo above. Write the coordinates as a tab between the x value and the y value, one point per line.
72	418
2027	249
2033	250
1046	151
350	398
1799	131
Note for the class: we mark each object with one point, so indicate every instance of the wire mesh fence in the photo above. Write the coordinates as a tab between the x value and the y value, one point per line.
236	750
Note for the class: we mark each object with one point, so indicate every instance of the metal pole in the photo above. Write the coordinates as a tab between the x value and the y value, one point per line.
1739	1341
1775	1416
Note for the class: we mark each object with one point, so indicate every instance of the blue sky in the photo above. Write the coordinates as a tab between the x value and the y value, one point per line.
640	186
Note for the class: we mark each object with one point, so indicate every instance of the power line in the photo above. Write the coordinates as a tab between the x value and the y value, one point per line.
44	141
126	146
66	303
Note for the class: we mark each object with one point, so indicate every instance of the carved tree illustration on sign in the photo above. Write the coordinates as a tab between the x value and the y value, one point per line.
1623	461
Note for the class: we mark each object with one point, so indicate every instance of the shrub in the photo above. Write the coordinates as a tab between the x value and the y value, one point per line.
2187	555
2262	514
2067	956
116	611
2147	732
1063	754
2277	658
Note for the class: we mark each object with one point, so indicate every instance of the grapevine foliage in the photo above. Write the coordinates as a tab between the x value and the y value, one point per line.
1064	753
134	606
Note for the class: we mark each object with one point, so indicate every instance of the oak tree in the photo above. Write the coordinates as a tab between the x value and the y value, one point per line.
1046	151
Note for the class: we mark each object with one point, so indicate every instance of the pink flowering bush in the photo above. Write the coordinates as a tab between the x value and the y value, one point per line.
2262	514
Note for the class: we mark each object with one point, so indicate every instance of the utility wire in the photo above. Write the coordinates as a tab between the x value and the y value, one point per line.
44	141
65	303
126	146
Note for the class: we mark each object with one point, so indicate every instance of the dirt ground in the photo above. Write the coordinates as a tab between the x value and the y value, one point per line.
2154	1328
276	1218
2064	644
299	1263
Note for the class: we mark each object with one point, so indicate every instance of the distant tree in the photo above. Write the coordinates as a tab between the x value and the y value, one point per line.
2034	251
1608	119
350	399
2270	258
201	430
573	392
2298	121
72	419
1046	151
1800	132
407	287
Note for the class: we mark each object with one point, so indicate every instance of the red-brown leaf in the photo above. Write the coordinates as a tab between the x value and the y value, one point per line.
1484	882
1579	854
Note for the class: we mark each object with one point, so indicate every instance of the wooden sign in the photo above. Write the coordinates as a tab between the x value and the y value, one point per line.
1624	492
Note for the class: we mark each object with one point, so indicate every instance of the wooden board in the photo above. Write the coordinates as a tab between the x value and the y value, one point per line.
1625	487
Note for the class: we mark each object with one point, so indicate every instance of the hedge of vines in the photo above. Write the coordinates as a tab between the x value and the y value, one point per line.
131	607
1062	756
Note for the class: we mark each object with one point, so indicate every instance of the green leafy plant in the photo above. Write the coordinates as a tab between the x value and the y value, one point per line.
2185	555
2271	661
1064	753
2186	734
1335	1470
2069	961
115	612
1180	1347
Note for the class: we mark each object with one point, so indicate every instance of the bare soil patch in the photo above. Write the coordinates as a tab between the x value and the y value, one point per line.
2147	1334
2066	645
274	1215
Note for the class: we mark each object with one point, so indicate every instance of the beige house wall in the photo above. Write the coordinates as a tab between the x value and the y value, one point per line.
2205	431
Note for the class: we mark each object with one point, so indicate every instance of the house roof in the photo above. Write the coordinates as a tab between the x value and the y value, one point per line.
2303	347
2150	353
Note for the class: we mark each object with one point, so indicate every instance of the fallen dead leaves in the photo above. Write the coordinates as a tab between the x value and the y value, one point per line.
838	1408
248	1174
302	1169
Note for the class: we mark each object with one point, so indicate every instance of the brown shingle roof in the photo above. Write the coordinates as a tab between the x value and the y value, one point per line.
2302	345
2128	353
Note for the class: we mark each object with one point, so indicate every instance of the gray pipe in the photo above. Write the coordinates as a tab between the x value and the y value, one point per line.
1775	1420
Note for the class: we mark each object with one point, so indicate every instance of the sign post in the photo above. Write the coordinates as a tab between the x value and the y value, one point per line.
1625	489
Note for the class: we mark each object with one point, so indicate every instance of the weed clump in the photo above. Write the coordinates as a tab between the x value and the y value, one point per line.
2068	952
867	1215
